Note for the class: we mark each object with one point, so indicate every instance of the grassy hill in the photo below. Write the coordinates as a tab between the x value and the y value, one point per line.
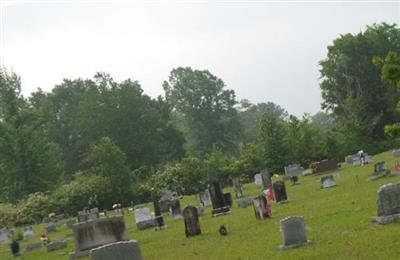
338	221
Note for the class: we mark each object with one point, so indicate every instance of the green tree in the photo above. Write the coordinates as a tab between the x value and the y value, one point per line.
29	161
352	88
206	109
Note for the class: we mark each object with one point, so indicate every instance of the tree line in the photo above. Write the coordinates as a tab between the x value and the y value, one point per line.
104	141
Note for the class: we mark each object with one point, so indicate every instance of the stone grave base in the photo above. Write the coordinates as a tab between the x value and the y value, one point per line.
283	247
386	219
145	224
375	177
330	186
221	211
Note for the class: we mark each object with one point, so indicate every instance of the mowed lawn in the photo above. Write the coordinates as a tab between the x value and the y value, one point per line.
338	221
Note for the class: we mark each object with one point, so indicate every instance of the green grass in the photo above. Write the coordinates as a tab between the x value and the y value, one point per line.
338	221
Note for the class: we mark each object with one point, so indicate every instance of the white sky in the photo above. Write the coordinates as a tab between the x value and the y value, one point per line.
264	51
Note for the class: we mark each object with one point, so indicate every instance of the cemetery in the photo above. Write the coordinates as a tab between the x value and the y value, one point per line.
354	215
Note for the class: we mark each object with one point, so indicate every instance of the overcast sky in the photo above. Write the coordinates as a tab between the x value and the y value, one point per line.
264	51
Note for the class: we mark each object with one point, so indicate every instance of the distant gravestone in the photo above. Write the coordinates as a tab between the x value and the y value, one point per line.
70	222
257	179
4	236
327	181
293	170
228	199
218	200
266	179
175	208
396	153
27	232
388	204
200	210
325	166
143	218
293	232
123	250
192	223
244	202
51	228
55	245
353	159
261	208
33	246
60	217
380	170
237	185
95	233
165	201
294	180
159	220
205	198
280	191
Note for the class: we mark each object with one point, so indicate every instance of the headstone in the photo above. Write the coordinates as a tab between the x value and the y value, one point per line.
93	214
325	166
159	220
228	199
123	250
98	232
266	179
55	245
165	201
388	204
27	232
4	236
293	232
205	198
261	208
200	210
294	180
218	200
14	246
45	220
70	222
83	216
175	208
396	153
380	170
244	202
257	179
293	170
327	181
60	217
51	228
192	223
33	246
280	191
143	218
237	185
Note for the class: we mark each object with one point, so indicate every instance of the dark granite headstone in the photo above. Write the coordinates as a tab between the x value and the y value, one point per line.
326	166
280	191
159	220
218	200
192	223
294	180
293	232
266	179
228	199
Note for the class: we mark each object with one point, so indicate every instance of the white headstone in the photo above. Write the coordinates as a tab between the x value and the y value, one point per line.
257	179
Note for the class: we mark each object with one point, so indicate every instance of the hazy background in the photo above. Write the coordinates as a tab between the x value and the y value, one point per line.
264	51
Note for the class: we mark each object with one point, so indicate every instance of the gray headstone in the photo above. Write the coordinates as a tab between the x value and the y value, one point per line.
388	204
396	153
192	223
27	232
33	246
293	170
123	250
200	210
327	181
175	208
293	232
51	228
205	197
4	236
55	245
244	202
70	222
143	218
257	179
237	185
95	233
